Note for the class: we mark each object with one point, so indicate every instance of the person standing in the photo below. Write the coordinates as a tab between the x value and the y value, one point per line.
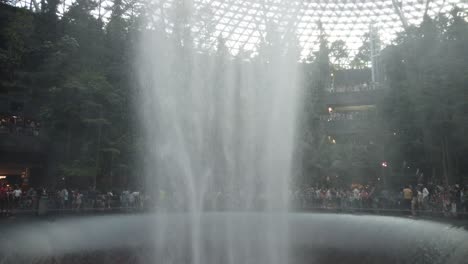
425	197
455	199
414	201
364	196
10	202
32	198
356	197
64	196
3	199
79	200
407	197
464	199
17	197
109	199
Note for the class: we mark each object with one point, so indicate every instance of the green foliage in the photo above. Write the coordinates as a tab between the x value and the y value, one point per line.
77	72
339	53
362	58
427	72
78	168
314	155
15	43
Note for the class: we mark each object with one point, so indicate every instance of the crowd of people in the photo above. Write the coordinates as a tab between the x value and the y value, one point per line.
419	199
355	115
414	200
17	200
353	88
12	124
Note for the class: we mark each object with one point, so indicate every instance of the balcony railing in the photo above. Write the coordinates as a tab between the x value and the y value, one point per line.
21	143
349	122
349	126
363	87
18	134
361	97
18	125
339	116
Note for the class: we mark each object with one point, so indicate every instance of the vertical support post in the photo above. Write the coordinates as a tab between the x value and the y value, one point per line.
375	53
98	151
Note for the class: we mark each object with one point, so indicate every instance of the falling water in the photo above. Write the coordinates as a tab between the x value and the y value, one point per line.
218	133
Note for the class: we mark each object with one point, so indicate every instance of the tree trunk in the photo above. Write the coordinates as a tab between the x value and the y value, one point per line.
433	176
68	143
98	149
111	173
445	160
449	161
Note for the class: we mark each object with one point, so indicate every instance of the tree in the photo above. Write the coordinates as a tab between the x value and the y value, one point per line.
362	58
15	43
313	138
339	53
426	72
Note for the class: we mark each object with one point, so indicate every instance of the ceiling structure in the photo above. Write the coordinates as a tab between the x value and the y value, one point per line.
243	23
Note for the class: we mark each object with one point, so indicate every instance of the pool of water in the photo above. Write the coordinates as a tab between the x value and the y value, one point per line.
234	238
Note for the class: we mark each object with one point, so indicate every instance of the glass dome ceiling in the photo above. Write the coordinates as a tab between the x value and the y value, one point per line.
243	23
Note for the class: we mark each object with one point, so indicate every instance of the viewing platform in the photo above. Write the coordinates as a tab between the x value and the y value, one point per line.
341	127
364	96
12	142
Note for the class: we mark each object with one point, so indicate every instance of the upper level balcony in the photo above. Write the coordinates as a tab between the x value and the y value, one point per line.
18	134
363	94
341	127
21	143
350	122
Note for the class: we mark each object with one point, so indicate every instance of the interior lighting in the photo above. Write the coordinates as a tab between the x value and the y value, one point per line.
384	164
2	177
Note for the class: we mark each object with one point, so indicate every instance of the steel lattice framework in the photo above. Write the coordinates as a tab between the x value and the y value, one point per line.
244	23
